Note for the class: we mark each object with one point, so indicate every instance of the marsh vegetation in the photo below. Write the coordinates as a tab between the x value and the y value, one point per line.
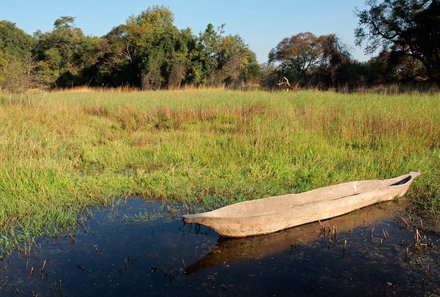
62	152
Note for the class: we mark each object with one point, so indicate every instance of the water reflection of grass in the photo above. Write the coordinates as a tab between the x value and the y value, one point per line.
61	152
143	217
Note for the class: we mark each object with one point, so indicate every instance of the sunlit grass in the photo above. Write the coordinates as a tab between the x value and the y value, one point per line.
61	152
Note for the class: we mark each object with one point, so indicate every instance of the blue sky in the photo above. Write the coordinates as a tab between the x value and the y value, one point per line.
262	24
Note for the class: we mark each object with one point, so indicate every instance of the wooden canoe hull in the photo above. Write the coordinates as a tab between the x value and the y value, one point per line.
234	250
277	213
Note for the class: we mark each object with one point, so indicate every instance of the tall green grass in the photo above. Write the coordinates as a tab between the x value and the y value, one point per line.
61	152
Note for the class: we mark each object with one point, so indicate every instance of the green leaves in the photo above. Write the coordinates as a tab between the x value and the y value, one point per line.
15	57
150	52
14	41
307	59
63	55
408	28
147	52
66	21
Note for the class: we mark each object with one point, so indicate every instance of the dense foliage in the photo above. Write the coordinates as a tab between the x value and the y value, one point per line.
147	52
406	29
15	56
150	52
312	60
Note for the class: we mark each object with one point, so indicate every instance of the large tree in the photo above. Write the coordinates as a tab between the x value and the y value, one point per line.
404	27
236	63
63	54
15	57
148	51
308	59
335	67
225	59
14	41
297	54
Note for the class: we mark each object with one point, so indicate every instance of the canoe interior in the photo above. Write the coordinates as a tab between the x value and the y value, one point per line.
276	204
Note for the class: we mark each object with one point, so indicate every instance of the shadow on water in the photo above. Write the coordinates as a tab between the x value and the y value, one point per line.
139	248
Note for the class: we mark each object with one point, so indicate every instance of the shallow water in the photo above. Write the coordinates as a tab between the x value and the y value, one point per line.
144	249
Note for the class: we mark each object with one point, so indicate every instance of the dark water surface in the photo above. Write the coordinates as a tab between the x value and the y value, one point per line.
143	249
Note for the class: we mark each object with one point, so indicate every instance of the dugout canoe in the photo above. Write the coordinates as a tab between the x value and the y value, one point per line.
272	214
235	250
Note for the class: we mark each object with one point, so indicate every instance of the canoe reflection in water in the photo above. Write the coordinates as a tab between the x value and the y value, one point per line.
234	250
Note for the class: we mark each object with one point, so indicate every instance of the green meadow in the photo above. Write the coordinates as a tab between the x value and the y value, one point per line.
62	152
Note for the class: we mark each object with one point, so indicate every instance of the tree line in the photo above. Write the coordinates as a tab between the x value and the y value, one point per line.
150	52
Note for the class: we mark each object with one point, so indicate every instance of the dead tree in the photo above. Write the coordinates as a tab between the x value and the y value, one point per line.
284	84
